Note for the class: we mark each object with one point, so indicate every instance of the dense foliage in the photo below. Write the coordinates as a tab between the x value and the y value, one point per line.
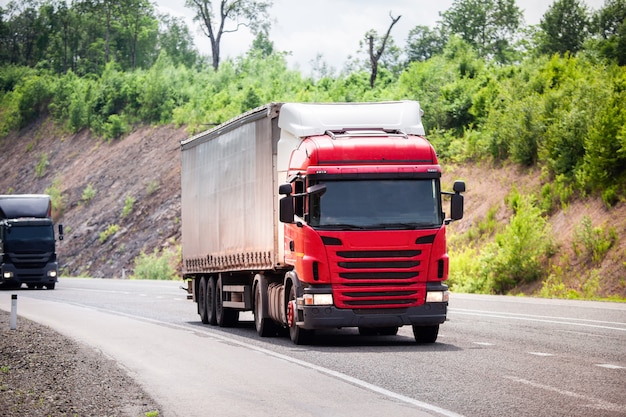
557	102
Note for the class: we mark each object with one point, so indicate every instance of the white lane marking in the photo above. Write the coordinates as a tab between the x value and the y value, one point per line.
542	319
597	403
541	354
609	366
483	343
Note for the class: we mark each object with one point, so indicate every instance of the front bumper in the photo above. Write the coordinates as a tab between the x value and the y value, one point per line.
47	275
316	317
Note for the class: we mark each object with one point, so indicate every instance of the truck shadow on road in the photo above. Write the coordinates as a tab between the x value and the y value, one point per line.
344	339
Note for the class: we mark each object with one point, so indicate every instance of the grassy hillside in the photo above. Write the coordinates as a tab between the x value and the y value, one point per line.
120	202
585	239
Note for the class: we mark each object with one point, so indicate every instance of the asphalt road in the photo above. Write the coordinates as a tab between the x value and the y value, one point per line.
496	356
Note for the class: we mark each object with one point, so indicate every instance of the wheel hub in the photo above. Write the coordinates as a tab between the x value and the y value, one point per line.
291	313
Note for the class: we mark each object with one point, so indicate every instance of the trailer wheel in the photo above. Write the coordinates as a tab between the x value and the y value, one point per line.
426	334
265	326
225	317
210	301
298	335
202	302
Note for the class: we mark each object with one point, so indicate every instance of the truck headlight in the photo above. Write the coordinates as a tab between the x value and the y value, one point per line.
52	273
318	299
7	275
437	296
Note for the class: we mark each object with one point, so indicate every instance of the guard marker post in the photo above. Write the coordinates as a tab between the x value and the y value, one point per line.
13	321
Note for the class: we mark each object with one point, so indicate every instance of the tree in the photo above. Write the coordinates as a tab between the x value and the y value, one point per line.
262	45
489	26
252	14
23	33
565	26
177	42
139	30
376	48
423	43
610	24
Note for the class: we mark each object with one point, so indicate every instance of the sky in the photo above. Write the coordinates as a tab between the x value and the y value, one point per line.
333	28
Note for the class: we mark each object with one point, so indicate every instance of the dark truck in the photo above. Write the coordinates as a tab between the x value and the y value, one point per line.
27	242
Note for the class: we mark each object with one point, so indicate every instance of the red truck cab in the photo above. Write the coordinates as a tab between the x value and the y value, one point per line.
365	231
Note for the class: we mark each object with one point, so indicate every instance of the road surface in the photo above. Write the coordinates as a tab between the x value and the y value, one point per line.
495	356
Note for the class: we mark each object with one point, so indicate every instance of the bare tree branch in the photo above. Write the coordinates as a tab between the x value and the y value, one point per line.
375	56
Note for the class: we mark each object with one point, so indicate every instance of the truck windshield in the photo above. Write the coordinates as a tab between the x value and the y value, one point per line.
376	204
21	233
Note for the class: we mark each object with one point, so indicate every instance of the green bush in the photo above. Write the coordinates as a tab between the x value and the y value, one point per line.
128	206
464	270
516	255
110	231
115	127
88	193
35	94
40	168
56	198
152	188
157	266
592	243
554	287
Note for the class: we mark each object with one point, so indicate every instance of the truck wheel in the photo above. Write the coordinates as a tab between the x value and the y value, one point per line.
210	301
225	317
425	334
202	300
50	286
265	326
298	335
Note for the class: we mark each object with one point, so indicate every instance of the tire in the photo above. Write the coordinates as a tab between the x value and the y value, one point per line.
265	326
298	335
426	334
225	317
50	286
210	301
202	300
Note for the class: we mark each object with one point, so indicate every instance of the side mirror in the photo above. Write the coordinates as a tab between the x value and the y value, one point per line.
284	189
456	201
286	210
456	206
60	232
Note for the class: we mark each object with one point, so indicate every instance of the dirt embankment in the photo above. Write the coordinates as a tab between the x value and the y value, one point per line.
145	166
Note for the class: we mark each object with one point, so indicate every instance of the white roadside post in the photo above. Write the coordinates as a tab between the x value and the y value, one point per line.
13	321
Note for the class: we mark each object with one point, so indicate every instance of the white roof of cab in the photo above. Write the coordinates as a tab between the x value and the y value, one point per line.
309	119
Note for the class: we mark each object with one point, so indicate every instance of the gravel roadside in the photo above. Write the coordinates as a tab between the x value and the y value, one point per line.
43	373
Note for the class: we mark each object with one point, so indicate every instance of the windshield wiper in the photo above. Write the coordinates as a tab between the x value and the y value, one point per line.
407	225
341	226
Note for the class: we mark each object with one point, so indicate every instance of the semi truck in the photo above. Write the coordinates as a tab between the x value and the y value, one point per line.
27	242
318	216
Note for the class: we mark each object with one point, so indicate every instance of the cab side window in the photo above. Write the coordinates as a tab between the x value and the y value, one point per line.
299	188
